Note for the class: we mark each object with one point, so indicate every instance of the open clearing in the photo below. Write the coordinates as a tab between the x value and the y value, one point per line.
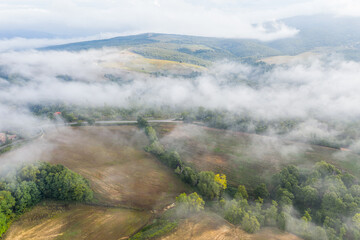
51	220
247	158
210	226
120	172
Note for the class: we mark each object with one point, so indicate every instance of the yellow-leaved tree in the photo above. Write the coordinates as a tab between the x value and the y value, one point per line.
221	179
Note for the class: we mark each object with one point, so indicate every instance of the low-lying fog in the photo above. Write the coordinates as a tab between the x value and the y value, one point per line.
312	89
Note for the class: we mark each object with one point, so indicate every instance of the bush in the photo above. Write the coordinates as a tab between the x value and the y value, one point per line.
155	148
189	204
150	132
207	185
171	159
261	192
188	175
241	193
142	122
250	223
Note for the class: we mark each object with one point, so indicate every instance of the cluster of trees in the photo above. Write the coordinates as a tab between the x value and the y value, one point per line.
26	186
210	185
187	204
323	203
251	216
227	120
327	199
75	113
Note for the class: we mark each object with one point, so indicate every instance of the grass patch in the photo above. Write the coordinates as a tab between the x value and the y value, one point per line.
155	230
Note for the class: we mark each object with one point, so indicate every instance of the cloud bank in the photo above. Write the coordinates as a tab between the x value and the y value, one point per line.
77	18
228	18
316	87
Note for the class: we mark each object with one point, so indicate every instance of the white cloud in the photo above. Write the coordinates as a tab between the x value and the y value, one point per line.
225	18
91	17
304	89
18	43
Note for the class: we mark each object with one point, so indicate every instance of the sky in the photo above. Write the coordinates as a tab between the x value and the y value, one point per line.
216	18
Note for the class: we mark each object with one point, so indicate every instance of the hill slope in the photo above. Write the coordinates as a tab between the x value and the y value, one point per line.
322	33
190	49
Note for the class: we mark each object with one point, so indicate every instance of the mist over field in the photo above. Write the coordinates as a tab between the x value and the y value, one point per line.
323	87
180	119
313	89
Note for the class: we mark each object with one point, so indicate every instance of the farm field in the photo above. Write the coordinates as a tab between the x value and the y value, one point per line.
112	158
246	158
128	184
210	226
52	220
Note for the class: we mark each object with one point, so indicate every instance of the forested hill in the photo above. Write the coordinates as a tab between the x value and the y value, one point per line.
322	33
191	49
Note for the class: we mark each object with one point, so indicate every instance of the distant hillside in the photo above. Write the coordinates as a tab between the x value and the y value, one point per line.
322	33
190	49
336	34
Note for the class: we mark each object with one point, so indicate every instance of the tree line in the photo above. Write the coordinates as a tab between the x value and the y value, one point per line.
209	184
211	187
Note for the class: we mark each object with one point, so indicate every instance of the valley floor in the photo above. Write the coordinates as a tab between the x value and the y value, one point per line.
129	184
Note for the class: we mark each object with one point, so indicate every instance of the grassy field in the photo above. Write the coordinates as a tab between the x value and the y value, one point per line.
51	220
120	172
245	158
210	226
